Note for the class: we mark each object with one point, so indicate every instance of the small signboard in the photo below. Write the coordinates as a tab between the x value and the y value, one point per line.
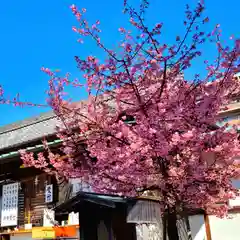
49	193
43	233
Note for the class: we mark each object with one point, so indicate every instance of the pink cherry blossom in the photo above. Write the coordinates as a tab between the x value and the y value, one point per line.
144	127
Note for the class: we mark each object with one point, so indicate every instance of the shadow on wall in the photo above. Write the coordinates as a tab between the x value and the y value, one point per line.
197	226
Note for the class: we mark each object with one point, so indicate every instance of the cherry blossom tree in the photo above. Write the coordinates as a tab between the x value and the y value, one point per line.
144	129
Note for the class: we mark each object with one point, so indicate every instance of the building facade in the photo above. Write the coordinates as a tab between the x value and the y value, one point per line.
28	195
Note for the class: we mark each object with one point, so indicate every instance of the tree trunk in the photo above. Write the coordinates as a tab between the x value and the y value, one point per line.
172	229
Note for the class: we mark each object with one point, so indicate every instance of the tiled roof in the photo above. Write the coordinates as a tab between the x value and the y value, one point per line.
27	130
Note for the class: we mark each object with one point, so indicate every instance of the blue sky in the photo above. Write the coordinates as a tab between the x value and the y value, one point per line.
38	33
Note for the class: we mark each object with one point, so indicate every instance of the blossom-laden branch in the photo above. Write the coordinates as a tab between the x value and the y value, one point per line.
143	126
15	101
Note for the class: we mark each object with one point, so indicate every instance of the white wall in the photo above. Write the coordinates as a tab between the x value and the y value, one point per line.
225	229
197	227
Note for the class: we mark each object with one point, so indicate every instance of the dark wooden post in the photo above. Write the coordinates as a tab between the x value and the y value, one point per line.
88	225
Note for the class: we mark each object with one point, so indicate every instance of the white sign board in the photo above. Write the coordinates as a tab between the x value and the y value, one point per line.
73	218
28	226
9	214
49	193
48	217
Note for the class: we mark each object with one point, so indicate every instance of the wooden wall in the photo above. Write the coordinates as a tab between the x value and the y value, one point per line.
32	199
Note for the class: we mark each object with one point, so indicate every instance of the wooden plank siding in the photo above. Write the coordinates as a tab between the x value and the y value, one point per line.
32	199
